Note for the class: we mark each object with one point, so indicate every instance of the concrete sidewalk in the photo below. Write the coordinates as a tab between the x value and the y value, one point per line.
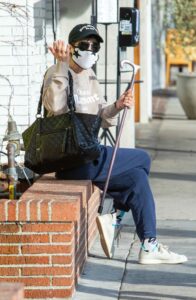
171	142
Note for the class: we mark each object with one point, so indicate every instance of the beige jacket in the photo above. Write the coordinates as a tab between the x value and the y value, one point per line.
87	95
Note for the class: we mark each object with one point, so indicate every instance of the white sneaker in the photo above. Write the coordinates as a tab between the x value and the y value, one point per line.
106	226
160	256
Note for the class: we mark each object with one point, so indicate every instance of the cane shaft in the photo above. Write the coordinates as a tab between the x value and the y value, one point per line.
100	209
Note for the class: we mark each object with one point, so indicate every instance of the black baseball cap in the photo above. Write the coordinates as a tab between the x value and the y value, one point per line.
82	31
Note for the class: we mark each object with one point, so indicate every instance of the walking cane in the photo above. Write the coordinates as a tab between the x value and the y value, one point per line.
135	68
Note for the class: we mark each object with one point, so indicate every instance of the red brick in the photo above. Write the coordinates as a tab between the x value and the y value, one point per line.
28	281
9	250
29	271
62	238
68	281
36	238
47	249
2	210
9	228
35	281
9	271
62	293
44	210
69	214
20	260
34	209
11	210
79	183
62	259
62	185
52	227
81	191
65	210
22	210
52	190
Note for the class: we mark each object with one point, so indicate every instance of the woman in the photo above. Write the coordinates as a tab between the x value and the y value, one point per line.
129	185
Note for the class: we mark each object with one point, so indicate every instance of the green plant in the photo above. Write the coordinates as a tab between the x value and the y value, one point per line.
181	15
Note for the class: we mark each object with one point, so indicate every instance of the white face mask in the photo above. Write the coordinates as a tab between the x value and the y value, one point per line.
84	59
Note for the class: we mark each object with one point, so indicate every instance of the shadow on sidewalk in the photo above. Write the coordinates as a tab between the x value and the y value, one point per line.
173	176
171	232
167	149
149	295
97	291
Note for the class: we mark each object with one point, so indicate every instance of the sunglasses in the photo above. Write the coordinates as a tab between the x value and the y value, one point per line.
84	46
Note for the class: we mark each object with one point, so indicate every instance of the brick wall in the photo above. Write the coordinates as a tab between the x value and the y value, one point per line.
45	236
24	36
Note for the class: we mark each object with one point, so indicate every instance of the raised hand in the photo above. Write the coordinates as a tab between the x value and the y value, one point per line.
60	51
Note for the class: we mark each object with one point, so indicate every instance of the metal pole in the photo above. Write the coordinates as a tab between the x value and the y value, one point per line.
54	19
118	86
118	75
12	174
94	13
54	22
106	59
94	23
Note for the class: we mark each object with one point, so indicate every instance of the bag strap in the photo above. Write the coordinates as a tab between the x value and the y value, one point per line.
70	98
39	107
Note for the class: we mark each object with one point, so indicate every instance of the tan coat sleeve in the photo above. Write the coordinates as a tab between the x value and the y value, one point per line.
109	115
55	89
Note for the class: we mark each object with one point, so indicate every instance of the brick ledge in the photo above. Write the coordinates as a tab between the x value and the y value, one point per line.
48	233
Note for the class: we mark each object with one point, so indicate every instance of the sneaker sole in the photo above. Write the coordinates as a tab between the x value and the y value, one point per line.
156	261
103	239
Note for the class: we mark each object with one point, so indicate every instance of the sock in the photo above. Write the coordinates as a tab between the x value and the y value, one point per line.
119	216
149	245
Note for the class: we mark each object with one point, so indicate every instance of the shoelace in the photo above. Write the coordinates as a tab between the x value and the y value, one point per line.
161	246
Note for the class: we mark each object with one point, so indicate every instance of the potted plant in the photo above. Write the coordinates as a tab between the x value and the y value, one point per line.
181	16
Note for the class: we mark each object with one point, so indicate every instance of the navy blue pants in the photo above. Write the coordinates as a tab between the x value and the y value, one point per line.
128	185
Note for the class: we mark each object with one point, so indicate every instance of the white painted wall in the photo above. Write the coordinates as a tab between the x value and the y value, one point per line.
158	45
145	62
23	59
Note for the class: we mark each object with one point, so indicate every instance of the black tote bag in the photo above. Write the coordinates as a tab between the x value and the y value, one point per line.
61	142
